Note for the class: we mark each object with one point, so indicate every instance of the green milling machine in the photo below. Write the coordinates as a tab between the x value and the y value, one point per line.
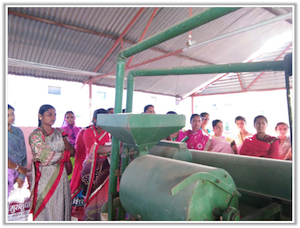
164	181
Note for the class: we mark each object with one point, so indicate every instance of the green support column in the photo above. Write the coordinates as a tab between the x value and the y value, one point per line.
130	89
114	164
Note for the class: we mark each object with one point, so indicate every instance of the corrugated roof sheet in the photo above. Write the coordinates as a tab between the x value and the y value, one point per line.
78	38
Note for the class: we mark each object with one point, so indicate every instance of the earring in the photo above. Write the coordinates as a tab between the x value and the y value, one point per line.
40	118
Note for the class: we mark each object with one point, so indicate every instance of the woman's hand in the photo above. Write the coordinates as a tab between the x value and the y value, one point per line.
20	182
103	150
22	170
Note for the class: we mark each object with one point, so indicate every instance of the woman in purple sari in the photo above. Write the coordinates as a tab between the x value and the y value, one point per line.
69	127
17	156
196	139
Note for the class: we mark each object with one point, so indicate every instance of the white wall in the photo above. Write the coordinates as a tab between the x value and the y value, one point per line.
27	94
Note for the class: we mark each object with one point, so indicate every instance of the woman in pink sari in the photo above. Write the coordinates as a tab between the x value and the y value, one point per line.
196	139
69	127
221	143
260	144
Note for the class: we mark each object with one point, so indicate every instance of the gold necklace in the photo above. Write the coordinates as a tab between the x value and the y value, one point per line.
47	132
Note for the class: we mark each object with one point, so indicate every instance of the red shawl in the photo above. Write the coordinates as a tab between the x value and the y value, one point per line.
268	148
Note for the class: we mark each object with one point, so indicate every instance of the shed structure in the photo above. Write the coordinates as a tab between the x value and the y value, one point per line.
81	44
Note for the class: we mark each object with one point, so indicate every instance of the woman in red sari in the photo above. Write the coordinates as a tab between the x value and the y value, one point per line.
76	191
95	169
260	144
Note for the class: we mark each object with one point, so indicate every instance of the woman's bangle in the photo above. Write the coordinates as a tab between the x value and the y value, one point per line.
17	167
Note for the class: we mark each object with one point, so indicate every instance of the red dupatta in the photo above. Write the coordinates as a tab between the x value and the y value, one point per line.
79	158
93	156
268	148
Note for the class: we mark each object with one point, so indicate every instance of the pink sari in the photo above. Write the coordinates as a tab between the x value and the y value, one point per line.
195	140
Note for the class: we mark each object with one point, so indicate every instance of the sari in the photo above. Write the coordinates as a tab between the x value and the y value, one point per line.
222	144
195	140
94	175
17	154
239	140
72	132
51	195
284	147
76	191
269	148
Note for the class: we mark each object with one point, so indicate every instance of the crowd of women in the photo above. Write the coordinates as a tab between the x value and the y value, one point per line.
70	165
259	144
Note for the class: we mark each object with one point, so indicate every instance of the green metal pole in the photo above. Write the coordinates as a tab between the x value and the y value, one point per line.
114	164
211	69
180	28
130	89
288	72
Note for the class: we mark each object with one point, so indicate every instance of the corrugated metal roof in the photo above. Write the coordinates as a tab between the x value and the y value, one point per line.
78	38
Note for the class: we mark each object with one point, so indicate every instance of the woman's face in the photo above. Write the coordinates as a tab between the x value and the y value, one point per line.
150	110
11	116
49	117
240	124
70	118
196	123
282	129
204	120
218	129
260	125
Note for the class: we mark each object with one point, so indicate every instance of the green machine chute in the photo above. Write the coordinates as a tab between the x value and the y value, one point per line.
154	188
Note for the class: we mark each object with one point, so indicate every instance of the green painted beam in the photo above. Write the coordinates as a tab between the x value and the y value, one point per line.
212	69
180	28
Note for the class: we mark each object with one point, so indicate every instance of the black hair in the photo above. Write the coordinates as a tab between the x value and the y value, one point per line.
123	110
146	107
42	110
68	113
109	109
192	117
215	122
10	107
240	118
280	124
98	111
171	112
260	116
202	114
